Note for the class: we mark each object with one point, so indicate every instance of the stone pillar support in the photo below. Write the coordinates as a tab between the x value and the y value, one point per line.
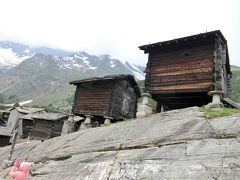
88	119
144	109
216	99
68	126
107	120
145	98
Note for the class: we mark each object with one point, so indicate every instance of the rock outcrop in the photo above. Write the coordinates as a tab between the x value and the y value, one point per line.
179	144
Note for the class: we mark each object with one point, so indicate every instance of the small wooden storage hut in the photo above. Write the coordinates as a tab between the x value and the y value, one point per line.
14	120
114	96
180	72
47	125
4	137
5	116
27	125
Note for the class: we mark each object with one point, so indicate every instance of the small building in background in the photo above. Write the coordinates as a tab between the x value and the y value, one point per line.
27	125
112	96
5	137
181	72
45	125
14	120
4	116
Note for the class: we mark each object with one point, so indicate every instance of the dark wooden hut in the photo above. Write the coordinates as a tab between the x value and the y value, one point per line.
46	125
5	137
27	125
5	115
114	96
180	72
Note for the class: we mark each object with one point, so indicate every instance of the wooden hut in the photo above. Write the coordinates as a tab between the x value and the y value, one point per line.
14	120
16	114
180	72
4	116
5	137
114	96
46	125
27	125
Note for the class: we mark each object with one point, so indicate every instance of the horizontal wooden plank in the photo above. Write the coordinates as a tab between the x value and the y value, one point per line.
179	67
178	60
192	50
183	72
204	85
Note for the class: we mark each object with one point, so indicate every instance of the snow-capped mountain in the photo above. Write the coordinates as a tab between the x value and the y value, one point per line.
26	74
12	54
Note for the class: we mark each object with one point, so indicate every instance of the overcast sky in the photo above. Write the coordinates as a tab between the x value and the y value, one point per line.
117	27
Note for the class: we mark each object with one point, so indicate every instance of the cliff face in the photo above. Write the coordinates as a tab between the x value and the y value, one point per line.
179	144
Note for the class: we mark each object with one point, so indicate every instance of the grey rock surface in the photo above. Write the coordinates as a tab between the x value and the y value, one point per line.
179	144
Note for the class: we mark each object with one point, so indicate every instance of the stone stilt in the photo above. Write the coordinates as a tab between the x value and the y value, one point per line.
28	138
162	109
216	100
144	109
107	120
87	123
68	126
145	100
88	119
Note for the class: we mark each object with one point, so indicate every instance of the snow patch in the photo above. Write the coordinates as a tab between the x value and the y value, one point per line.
81	57
10	59
86	62
77	65
112	65
135	70
25	102
69	66
67	58
27	51
20	103
92	68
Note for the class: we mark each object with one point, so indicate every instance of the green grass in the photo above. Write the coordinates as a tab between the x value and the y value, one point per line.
61	100
235	83
214	113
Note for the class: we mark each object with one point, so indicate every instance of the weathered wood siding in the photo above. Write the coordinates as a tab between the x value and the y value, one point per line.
42	129
93	98
57	129
4	140
181	70
45	129
221	76
27	127
124	101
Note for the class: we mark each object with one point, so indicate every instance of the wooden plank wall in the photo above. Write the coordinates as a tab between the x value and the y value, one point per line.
124	102
57	128
93	99
27	127
42	129
4	141
180	70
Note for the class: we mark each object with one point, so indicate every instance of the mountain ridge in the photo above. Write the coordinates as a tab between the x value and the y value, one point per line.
31	75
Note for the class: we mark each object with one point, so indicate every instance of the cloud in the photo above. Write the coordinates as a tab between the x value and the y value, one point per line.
115	27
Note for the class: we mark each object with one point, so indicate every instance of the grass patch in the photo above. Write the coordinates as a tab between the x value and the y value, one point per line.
214	113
